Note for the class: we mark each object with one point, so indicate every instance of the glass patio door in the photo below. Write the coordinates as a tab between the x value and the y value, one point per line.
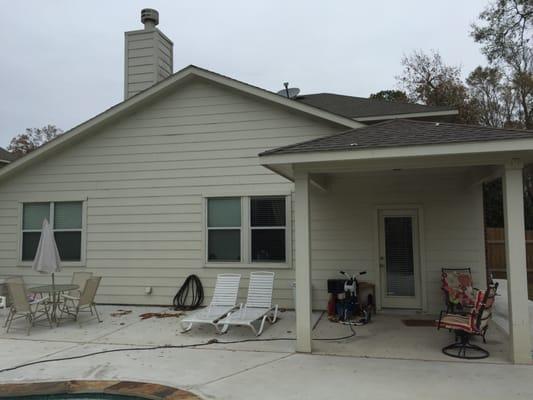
399	259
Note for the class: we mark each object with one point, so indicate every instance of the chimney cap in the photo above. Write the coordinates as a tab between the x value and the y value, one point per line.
149	17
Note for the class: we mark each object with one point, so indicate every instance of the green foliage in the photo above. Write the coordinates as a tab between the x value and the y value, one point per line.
32	139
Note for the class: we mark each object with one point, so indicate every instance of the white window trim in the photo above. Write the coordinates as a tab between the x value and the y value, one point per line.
246	242
83	255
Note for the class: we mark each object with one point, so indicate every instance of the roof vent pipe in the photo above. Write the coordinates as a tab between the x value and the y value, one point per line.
150	18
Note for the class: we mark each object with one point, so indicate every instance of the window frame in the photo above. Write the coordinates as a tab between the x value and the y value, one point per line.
222	228
51	203
280	227
246	233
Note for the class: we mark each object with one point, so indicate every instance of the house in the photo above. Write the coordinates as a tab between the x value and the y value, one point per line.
198	173
6	157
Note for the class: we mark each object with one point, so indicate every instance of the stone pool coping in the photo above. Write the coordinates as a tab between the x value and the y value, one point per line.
149	391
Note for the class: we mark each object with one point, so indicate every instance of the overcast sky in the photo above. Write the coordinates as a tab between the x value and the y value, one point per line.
62	61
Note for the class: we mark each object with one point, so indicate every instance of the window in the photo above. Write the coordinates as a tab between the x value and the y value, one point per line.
247	230
224	229
267	224
66	221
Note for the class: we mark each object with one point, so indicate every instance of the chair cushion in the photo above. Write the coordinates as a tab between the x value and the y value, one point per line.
459	286
457	321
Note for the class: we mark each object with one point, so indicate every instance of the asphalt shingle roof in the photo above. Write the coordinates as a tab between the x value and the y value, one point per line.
358	107
6	155
403	132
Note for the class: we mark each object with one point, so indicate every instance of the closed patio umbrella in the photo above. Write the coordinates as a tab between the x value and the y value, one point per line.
47	259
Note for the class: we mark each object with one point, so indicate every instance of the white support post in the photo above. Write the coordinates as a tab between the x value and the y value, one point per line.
515	249
303	262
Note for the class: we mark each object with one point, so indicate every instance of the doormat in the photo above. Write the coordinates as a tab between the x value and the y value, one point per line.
419	322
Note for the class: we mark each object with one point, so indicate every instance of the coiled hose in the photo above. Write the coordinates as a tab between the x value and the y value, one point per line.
190	295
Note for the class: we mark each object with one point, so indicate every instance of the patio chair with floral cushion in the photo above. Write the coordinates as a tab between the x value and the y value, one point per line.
459	292
476	322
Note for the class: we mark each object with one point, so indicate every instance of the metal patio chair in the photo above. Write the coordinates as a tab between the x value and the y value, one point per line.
224	301
476	322
17	280
21	307
258	304
80	279
73	305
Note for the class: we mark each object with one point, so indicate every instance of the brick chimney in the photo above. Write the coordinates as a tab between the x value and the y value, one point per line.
148	55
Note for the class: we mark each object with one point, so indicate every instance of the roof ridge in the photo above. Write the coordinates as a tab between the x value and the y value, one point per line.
475	126
373	100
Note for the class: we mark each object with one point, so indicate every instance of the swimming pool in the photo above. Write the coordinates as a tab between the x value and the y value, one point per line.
93	396
92	390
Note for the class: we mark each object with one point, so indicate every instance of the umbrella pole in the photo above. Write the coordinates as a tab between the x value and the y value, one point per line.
53	281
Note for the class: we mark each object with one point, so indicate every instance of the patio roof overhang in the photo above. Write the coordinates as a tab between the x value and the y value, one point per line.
496	152
402	144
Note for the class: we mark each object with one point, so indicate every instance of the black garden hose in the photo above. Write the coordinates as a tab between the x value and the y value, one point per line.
191	294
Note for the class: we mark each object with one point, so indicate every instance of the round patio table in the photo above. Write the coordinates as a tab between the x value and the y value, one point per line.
54	292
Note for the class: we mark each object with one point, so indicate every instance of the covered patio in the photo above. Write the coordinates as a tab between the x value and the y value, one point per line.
428	174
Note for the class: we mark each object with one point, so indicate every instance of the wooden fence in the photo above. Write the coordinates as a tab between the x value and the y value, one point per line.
495	249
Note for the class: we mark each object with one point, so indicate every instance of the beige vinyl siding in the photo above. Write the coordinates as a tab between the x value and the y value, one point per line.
144	178
344	225
148	60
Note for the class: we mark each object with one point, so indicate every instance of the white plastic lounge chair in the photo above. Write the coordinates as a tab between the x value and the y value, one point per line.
224	301
258	304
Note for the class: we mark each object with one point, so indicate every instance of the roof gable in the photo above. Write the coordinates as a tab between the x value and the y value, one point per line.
164	87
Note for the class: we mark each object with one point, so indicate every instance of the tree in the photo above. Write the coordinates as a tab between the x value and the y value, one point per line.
505	33
32	139
428	80
488	90
390	95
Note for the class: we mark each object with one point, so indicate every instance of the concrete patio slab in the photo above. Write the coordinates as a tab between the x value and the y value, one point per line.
388	337
329	377
69	330
267	369
182	368
13	352
283	328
